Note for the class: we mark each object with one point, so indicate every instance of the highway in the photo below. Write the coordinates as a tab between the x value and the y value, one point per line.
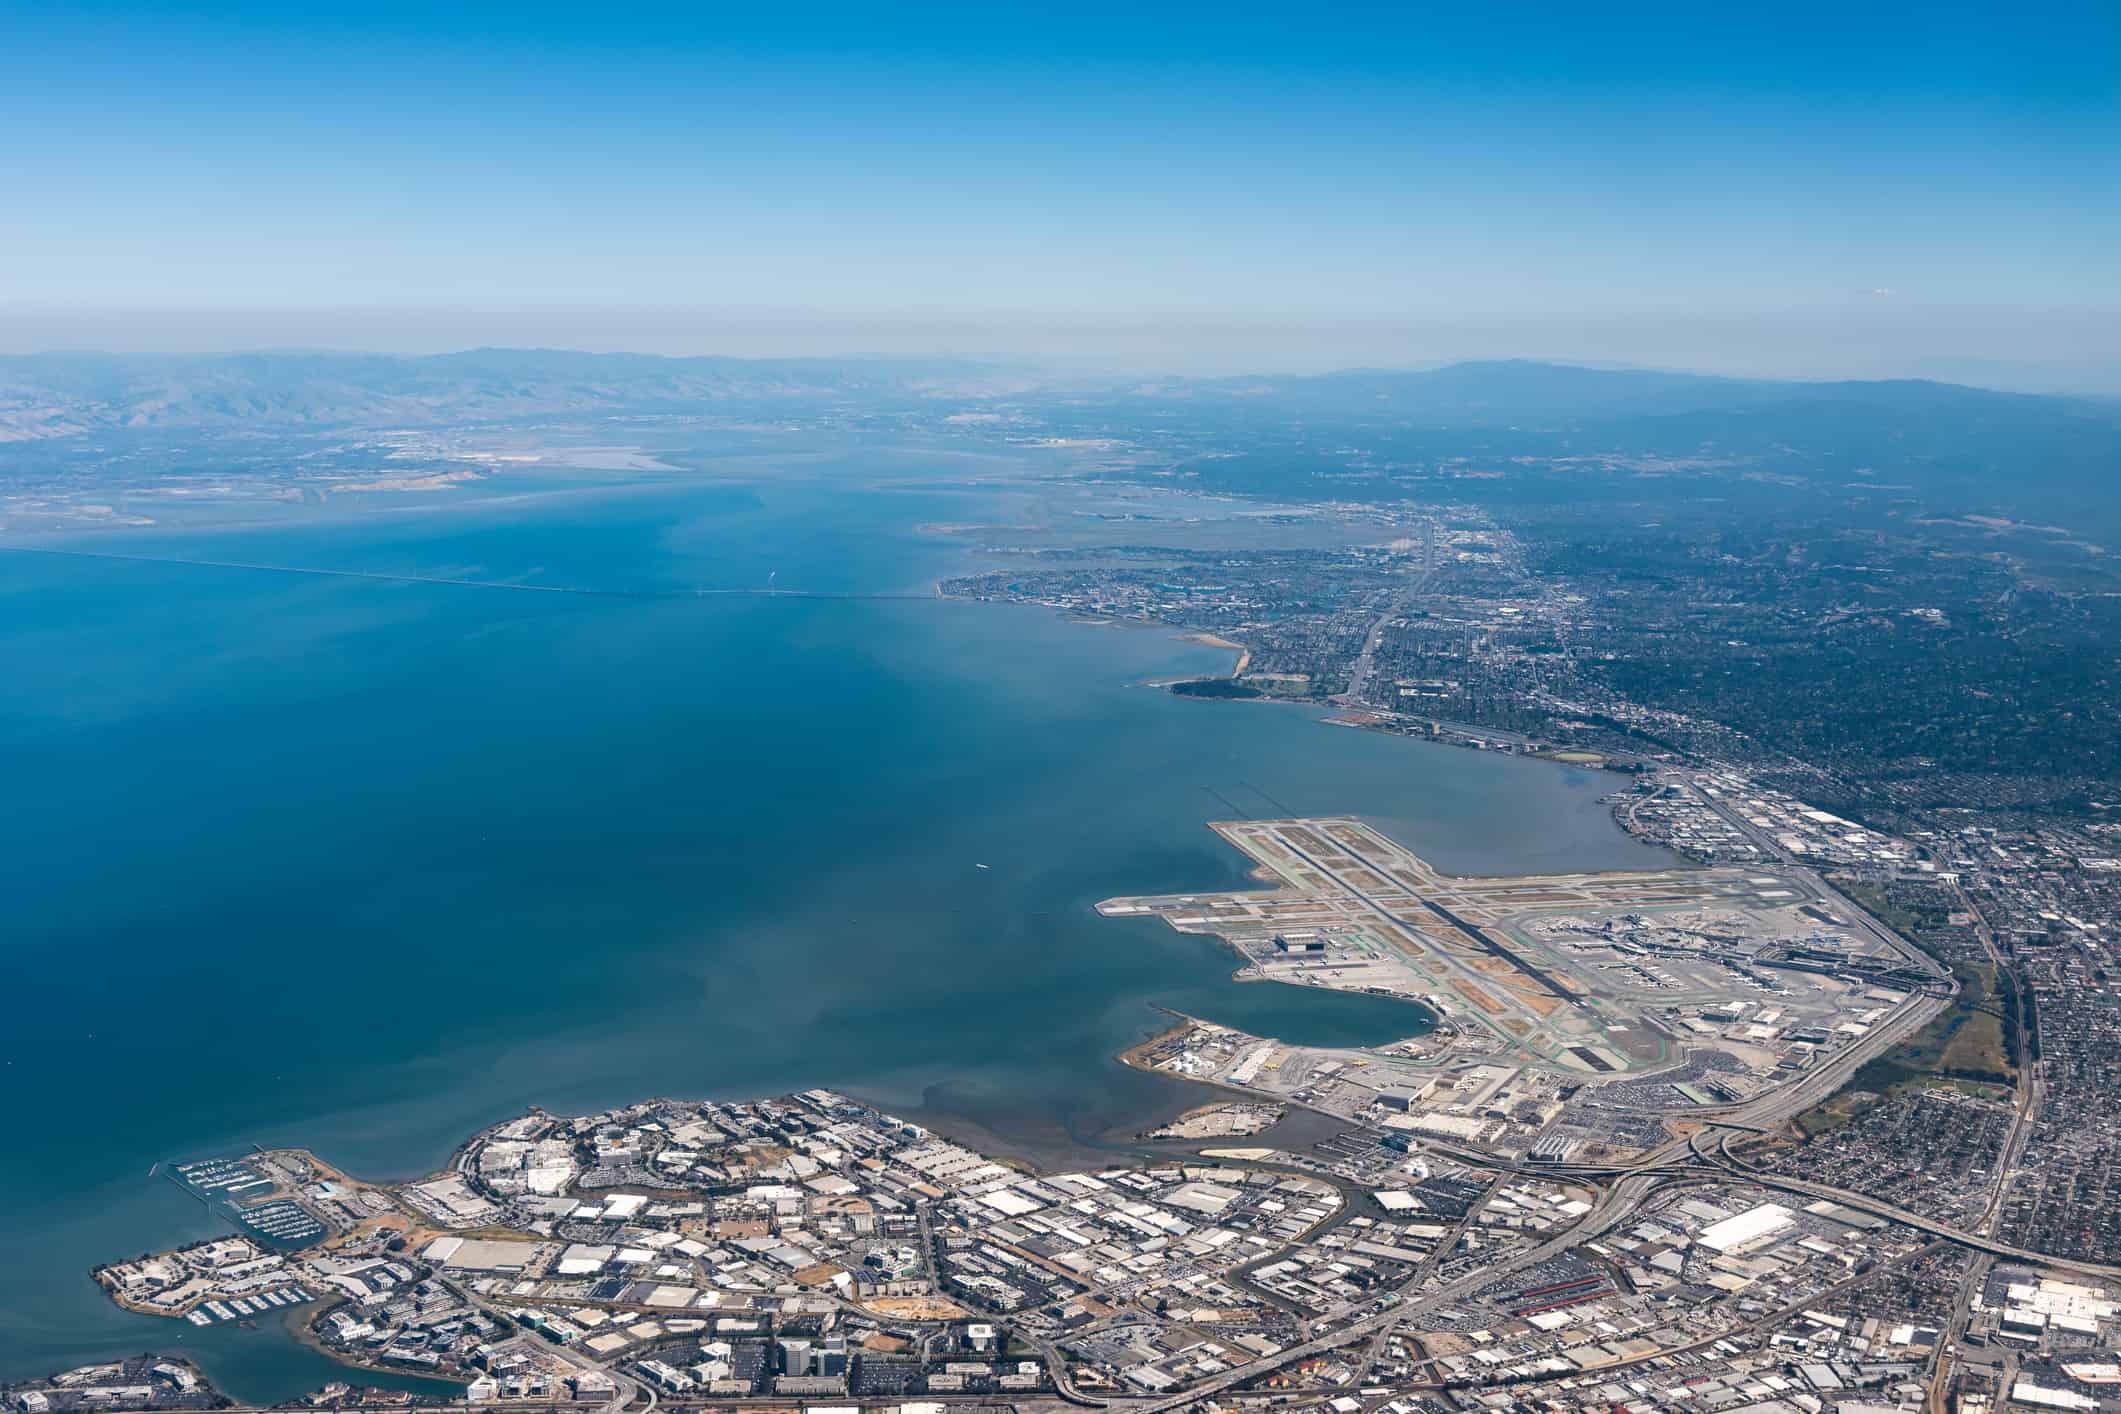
1781	1103
1616	1205
1613	1207
1679	1161
2030	1092
1878	1207
1365	661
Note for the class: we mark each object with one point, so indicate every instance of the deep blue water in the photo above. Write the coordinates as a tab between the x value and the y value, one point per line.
364	865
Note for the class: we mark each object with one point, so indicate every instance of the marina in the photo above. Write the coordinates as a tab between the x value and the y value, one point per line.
569	927
236	1191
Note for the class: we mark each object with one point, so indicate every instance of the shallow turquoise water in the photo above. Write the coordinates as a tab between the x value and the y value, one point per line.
364	865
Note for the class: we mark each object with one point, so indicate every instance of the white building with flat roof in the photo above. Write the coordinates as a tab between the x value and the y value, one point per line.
1746	1231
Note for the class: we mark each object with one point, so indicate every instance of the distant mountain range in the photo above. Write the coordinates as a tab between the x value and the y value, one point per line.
60	395
1940	435
1499	391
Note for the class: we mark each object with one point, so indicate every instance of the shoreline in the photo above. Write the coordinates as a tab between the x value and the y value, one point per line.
304	1335
1216	640
1132	1058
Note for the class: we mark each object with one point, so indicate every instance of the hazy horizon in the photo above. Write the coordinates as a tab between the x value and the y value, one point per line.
1142	349
1846	191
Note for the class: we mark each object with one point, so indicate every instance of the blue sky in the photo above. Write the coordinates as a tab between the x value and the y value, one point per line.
1800	186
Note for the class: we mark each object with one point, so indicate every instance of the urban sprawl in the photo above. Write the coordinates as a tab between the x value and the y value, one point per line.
1822	1122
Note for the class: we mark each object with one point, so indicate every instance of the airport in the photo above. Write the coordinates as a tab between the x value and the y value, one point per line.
1572	1011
